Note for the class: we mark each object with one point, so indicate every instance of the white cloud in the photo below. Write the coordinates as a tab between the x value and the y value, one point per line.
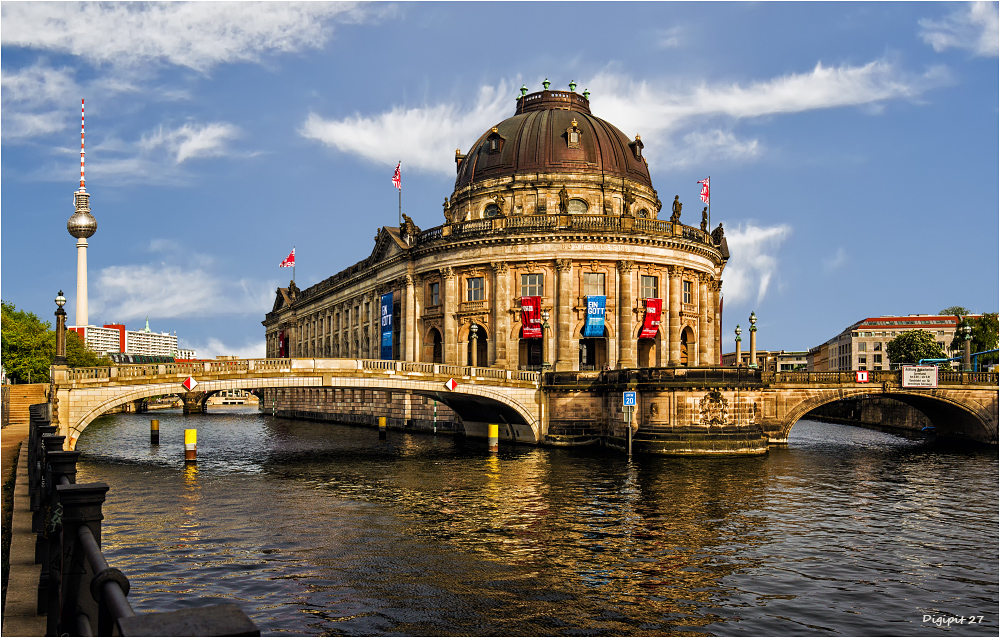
835	261
198	35
425	137
972	28
191	140
213	347
167	291
754	260
669	38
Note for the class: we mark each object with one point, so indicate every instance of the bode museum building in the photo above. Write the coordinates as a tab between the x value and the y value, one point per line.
555	250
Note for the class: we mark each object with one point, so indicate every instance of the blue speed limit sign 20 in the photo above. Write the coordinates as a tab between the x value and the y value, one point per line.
628	398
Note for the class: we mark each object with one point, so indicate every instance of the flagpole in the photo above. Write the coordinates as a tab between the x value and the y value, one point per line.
293	264
709	203
400	199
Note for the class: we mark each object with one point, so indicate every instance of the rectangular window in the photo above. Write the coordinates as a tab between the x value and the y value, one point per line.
368	312
877	347
877	367
476	289
435	294
687	292
862	359
876	358
593	283
862	346
531	285
648	286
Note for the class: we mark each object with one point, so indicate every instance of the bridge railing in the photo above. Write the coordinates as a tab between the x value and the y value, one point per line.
498	374
78	591
836	376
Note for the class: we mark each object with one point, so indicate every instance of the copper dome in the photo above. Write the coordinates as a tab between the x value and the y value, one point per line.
537	140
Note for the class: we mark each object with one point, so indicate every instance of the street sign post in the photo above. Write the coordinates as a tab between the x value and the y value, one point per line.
628	407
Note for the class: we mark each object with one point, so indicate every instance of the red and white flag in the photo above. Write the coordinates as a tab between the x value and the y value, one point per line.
289	261
397	178
704	189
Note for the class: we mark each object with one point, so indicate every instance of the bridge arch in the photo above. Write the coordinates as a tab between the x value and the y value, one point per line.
966	418
472	402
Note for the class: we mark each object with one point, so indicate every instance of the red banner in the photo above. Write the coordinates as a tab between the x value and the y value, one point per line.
651	321
531	317
281	344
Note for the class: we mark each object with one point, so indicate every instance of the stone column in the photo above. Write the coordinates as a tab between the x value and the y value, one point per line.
418	311
409	320
564	307
674	325
449	306
626	344
704	301
717	323
501	318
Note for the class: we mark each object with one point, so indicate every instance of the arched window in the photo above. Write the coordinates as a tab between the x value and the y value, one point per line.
491	210
643	213
577	207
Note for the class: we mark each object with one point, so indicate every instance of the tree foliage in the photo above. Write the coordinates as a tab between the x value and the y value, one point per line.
984	336
913	345
960	311
28	345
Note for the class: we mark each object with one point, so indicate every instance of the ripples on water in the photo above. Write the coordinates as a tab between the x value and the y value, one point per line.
322	529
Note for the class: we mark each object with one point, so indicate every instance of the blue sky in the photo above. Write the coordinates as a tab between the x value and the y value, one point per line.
853	147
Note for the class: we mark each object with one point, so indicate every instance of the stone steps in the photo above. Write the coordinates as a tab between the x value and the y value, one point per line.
22	396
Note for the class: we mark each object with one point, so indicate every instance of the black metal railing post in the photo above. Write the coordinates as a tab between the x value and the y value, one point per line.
81	515
60	467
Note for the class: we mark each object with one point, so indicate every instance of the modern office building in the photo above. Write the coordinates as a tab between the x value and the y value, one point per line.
115	338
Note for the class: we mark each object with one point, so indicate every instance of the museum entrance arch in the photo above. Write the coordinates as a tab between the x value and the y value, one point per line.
481	344
688	346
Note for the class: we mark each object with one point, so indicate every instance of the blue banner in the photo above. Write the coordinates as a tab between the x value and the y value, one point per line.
387	326
595	316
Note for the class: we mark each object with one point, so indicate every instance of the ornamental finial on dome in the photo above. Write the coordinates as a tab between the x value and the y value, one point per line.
546	84
572	87
586	94
524	90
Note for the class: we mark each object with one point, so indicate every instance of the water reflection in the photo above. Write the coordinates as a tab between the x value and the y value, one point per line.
323	529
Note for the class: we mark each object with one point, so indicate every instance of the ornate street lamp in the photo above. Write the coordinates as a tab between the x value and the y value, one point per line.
545	337
60	359
753	340
739	339
967	355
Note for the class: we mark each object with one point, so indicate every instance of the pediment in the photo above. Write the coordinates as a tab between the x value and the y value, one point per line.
281	300
387	245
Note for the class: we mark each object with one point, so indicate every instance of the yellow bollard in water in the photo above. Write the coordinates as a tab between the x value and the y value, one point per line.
494	436
381	428
190	446
154	431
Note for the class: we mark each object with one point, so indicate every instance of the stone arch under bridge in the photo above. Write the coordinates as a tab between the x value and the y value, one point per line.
475	398
965	412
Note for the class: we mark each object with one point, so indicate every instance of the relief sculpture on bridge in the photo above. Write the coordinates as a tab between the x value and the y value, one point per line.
714	409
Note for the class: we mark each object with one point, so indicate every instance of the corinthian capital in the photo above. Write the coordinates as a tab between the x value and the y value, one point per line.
625	266
499	267
564	265
447	272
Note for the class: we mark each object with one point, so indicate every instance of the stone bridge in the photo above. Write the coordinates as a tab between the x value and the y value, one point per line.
480	394
675	405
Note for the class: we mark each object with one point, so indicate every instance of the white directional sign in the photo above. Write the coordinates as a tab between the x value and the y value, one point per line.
189	383
920	376
628	398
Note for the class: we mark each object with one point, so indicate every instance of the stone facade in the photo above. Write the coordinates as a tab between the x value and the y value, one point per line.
552	229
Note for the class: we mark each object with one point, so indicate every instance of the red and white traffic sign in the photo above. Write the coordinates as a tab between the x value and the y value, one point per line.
189	383
861	376
451	384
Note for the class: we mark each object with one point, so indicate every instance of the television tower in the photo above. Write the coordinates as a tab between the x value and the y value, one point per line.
81	225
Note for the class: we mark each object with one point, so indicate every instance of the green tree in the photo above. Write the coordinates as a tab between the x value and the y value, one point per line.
913	345
956	310
28	345
78	356
984	336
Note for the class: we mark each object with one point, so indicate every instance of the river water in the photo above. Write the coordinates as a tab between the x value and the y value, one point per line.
323	529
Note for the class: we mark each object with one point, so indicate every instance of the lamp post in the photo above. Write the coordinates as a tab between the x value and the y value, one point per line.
474	342
739	341
60	359
967	355
753	340
545	338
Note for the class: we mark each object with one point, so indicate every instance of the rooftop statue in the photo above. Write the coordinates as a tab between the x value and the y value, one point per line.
704	219
563	201
676	217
